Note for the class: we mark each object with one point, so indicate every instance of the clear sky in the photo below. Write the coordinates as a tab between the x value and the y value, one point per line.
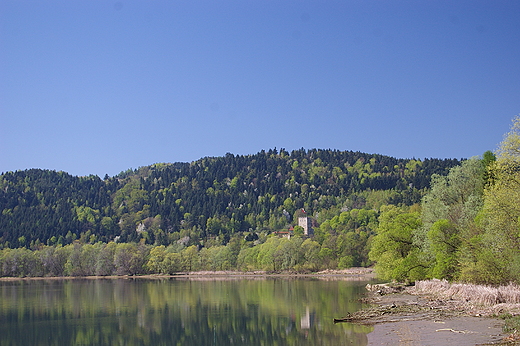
100	86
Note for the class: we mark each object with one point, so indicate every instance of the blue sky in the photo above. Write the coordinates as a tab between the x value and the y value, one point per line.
97	87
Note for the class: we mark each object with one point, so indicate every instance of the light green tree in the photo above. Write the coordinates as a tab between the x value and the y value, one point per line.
448	214
444	241
499	260
396	255
266	254
298	231
105	261
172	263
248	258
311	251
155	262
130	258
189	257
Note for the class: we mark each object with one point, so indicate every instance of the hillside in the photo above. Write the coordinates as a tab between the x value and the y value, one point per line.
208	198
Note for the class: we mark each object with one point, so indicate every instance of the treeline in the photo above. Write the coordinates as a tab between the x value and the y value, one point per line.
413	219
468	226
212	198
37	205
274	255
340	242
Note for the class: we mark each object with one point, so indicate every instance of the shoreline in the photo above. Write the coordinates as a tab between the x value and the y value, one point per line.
360	274
408	316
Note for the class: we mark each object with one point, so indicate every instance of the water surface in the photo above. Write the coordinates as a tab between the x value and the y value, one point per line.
174	311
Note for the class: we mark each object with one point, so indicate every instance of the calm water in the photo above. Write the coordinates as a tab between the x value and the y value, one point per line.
264	311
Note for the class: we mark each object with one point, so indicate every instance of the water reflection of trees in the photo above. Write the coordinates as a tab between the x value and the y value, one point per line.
184	312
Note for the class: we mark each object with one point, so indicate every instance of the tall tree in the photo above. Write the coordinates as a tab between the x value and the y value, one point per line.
501	241
448	213
393	249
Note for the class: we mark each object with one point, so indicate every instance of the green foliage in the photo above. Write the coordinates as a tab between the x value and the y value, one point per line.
449	211
511	324
214	196
39	204
396	255
129	258
212	214
471	218
500	242
444	242
220	214
298	231
486	269
19	262
346	262
155	262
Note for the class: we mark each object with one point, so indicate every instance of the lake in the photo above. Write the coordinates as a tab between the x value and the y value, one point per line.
180	311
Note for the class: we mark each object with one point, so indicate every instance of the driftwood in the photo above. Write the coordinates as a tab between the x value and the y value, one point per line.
374	314
390	303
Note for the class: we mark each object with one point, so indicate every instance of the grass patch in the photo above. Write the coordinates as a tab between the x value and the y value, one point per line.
511	323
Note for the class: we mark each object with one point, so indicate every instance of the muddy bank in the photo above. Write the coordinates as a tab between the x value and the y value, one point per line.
406	316
451	331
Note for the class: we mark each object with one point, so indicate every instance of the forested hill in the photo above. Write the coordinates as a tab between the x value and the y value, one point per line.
214	196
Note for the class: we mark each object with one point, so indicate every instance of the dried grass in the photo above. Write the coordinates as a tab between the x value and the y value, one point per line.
478	294
499	309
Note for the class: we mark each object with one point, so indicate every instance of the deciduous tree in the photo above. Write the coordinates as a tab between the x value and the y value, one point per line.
396	255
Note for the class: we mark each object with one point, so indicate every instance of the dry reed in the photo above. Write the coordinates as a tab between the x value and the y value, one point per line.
478	294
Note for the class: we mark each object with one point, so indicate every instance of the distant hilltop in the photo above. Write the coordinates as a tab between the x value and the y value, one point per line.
207	198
